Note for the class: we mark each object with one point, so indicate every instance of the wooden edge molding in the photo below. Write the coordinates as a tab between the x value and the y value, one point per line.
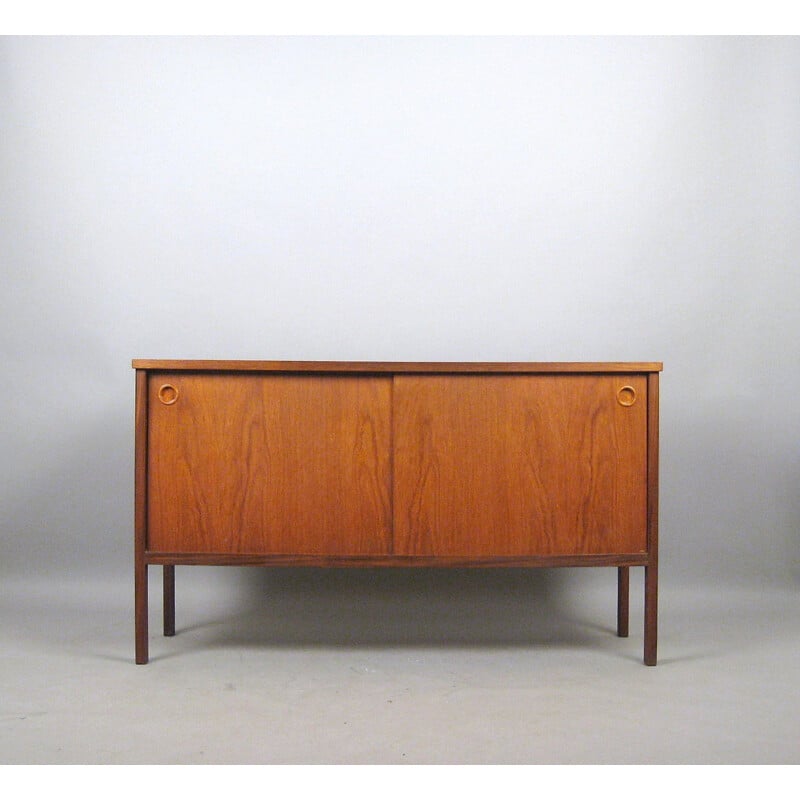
399	366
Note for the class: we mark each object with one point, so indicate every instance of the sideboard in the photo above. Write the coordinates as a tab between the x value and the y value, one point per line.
354	464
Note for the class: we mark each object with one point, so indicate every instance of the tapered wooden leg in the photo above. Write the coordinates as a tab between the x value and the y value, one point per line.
623	593
650	614
140	603
169	599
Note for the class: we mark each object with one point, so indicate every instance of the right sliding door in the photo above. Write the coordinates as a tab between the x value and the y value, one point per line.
519	465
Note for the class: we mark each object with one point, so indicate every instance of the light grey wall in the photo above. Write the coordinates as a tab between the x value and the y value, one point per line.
401	199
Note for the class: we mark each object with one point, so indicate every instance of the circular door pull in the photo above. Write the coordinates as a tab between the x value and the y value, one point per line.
167	394
626	396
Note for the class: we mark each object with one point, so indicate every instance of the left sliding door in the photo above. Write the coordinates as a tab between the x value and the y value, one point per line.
263	463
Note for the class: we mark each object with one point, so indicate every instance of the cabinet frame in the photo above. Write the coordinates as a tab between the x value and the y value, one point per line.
144	557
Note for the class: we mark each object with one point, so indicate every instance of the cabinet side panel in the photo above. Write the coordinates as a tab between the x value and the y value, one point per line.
270	464
517	465
140	465
652	466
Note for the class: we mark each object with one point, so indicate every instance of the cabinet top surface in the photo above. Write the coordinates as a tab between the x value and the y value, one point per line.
396	366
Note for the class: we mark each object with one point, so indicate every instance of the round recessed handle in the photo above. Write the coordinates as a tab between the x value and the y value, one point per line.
168	394
626	396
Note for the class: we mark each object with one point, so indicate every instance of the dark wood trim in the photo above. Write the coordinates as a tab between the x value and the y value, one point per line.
140	519
623	600
396	366
651	570
277	560
169	599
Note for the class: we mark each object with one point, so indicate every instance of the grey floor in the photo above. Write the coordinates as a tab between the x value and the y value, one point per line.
397	666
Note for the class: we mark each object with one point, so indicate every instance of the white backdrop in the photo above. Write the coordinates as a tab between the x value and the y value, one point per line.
402	199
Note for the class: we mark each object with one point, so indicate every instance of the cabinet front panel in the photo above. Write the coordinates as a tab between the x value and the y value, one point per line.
518	465
269	463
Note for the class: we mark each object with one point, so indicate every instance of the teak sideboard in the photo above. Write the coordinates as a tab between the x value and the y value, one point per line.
396	464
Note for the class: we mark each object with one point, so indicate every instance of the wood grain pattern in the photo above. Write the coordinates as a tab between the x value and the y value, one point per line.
516	465
397	367
245	463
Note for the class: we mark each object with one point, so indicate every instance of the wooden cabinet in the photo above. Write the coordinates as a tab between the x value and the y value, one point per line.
396	464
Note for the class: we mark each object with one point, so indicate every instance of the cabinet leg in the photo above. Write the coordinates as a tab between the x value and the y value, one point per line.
140	605
169	599
650	614
623	594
